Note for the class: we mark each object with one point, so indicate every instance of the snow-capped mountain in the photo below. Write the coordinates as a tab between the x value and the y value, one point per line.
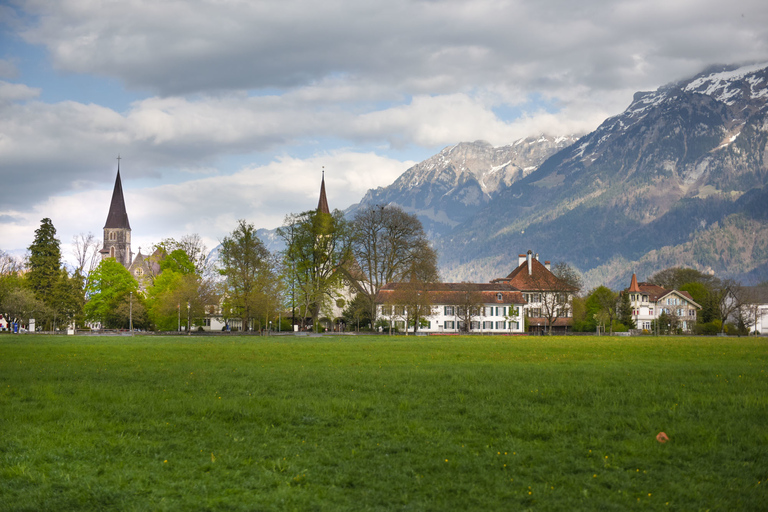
448	188
679	178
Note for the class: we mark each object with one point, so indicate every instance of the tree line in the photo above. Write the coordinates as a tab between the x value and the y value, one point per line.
328	263
325	254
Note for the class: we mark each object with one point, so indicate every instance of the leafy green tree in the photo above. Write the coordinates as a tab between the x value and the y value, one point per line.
177	261
193	247
357	313
111	284
44	261
168	298
251	283
317	251
676	277
20	304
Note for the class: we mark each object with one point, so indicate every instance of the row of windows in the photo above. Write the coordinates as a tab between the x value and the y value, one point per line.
489	311
475	326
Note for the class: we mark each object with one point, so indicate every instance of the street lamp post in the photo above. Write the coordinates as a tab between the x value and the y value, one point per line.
178	310
130	314
189	332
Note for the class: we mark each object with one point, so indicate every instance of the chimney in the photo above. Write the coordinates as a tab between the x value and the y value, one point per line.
546	264
537	256
520	259
528	257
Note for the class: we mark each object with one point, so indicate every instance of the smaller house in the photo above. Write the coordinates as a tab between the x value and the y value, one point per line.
650	301
753	309
491	308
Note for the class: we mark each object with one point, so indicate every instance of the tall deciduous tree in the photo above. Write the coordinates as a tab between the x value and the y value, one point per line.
85	248
44	261
195	249
388	245
177	286
468	308
252	288
111	285
317	250
556	288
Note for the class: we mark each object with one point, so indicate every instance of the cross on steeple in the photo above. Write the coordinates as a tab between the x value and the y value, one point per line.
118	162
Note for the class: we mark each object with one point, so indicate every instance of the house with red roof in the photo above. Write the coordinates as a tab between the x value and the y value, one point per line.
447	308
548	298
650	301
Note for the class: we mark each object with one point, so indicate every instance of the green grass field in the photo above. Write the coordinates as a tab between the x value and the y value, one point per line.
360	423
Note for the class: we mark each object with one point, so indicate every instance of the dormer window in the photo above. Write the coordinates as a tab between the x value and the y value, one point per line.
499	297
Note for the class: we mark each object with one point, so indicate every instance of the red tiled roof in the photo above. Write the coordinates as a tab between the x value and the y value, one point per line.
656	292
540	279
454	293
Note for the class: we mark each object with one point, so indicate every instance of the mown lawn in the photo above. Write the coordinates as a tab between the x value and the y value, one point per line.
462	423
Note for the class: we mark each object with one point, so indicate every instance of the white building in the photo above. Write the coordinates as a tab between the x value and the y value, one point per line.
495	308
650	301
547	297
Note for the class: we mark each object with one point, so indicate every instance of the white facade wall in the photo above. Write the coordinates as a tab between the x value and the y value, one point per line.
492	319
645	311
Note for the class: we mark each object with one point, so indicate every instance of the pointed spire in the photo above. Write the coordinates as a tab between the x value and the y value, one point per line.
633	286
322	204
117	217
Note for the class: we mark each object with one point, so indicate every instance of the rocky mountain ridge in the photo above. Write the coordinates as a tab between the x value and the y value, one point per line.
678	178
676	163
450	187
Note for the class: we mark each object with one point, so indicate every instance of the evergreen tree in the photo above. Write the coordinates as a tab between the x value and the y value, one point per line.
44	261
625	312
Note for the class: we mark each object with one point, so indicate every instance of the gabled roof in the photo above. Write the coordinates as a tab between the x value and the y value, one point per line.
540	279
454	293
656	293
685	295
117	217
322	204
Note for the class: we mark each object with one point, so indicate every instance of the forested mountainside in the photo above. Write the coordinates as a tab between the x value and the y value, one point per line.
678	178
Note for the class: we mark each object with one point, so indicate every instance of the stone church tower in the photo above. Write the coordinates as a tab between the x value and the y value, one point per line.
117	230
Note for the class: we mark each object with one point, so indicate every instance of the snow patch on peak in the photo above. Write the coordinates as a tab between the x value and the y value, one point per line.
722	85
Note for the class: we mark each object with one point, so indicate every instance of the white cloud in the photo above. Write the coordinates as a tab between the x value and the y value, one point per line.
270	81
16	92
209	206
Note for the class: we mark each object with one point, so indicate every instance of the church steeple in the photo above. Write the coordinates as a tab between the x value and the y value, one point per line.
117	217
322	204
117	229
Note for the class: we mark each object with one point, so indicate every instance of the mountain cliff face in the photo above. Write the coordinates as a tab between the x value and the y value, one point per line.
455	184
678	178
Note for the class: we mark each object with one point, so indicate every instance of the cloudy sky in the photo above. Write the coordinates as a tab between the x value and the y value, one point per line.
229	109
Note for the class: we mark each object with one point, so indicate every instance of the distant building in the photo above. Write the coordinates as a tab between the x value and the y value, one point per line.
649	301
117	229
546	295
497	308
